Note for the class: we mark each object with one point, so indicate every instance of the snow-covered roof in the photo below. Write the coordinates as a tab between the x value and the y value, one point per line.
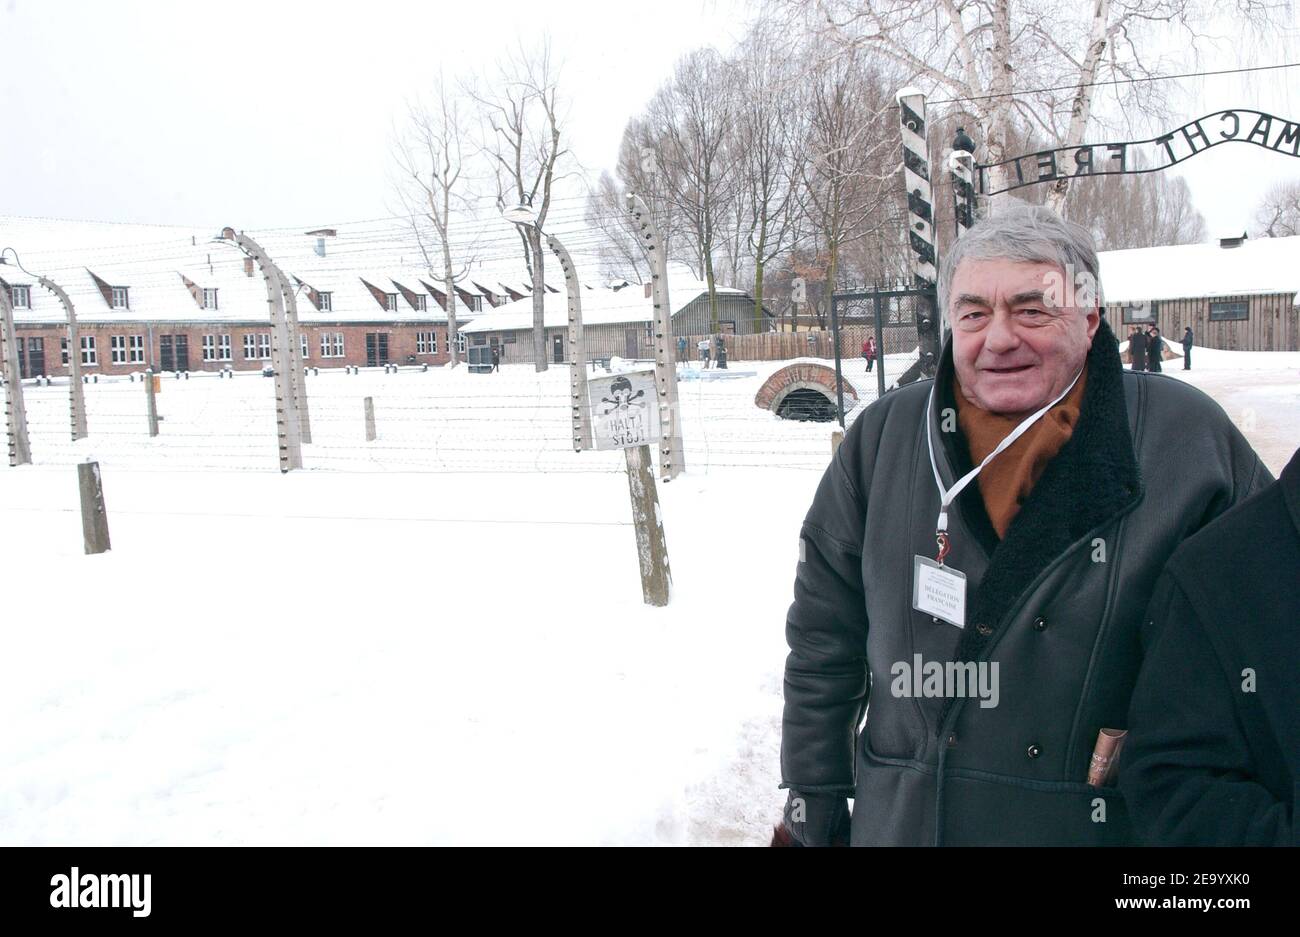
154	262
599	307
1258	265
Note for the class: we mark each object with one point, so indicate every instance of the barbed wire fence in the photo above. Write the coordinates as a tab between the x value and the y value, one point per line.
426	421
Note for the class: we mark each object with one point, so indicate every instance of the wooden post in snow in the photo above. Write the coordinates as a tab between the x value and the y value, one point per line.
151	401
651	546
94	519
370	419
624	414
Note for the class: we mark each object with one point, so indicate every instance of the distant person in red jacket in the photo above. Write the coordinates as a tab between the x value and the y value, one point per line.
869	352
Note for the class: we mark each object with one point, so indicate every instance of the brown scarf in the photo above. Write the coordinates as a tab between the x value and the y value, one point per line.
1009	478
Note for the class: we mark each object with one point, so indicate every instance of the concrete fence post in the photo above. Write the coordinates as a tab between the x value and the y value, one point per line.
20	451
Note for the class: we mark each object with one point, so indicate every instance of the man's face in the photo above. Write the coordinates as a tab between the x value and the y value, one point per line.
1013	347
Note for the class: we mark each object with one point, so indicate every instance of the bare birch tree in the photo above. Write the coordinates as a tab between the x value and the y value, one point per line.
852	166
620	251
1148	210
689	119
767	140
1033	62
525	142
431	160
1278	215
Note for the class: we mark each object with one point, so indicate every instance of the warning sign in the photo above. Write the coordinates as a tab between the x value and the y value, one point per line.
624	410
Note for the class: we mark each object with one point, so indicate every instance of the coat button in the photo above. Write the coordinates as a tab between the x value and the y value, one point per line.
1034	751
983	629
952	739
1040	623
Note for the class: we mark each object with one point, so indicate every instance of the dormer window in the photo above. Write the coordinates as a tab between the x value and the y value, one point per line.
476	303
21	296
421	302
392	302
326	302
209	298
121	299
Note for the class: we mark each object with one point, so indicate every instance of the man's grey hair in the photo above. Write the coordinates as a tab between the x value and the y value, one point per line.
1023	232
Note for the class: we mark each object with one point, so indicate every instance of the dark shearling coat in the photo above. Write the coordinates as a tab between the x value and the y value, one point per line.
1213	754
1057	604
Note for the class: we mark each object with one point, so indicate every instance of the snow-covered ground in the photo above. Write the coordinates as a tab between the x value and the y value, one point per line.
437	637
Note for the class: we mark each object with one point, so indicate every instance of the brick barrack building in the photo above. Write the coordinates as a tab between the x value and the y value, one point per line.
175	299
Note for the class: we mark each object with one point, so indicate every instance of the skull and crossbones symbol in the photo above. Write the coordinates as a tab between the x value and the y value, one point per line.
623	398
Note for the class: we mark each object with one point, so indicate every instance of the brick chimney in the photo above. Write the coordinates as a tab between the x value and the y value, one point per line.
248	266
647	291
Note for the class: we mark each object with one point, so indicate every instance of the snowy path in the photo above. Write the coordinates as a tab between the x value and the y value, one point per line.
438	639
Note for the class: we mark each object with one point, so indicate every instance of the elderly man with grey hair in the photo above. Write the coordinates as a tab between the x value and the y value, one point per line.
977	559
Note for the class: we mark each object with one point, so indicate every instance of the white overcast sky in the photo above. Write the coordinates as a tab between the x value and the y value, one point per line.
280	113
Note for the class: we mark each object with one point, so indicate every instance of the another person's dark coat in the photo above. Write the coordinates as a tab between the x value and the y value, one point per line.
1211	758
1155	352
1137	346
1057	604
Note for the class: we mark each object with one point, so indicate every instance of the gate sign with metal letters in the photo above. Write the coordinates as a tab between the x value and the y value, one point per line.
1240	125
624	410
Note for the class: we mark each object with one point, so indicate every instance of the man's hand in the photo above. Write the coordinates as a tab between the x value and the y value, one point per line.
813	820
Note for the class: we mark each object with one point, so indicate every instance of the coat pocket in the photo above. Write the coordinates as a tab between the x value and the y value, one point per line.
982	809
894	800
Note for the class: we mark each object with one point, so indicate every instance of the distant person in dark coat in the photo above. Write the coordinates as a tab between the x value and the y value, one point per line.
1187	349
496	358
1137	349
1155	349
869	352
1213	751
681	348
720	352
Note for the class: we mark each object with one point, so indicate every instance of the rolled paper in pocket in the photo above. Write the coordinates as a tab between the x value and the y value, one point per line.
1105	756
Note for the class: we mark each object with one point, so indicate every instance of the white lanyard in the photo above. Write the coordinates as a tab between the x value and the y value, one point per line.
948	495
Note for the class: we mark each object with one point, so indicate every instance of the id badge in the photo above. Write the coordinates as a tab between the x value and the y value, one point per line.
939	591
